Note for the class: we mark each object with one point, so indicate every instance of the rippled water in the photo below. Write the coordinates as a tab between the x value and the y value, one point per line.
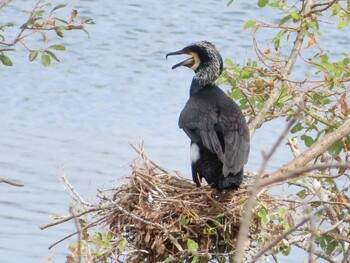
109	90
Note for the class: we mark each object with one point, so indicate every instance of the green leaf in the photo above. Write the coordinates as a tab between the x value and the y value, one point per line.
308	141
229	62
51	54
229	3
59	32
5	60
301	194
249	24
285	19
57	7
195	259
184	220
294	14
276	43
123	244
265	218
296	128
286	251
33	54
46	40
58	47
192	245
342	24
336	148
45	60
263	3
89	21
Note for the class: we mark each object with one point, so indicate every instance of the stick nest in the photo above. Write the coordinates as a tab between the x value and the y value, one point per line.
160	217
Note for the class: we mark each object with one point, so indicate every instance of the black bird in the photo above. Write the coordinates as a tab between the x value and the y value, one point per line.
213	121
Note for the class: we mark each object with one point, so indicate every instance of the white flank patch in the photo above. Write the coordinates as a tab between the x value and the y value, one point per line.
194	153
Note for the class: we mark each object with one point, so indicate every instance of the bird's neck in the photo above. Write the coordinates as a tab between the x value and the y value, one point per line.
196	86
204	76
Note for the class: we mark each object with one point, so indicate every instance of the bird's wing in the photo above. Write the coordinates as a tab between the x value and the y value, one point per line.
236	138
200	123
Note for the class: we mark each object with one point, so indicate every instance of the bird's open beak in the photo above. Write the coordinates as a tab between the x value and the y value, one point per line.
188	62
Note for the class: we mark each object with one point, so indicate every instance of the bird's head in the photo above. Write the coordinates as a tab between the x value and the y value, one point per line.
205	60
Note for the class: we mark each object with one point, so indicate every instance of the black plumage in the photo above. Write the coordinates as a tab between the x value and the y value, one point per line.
215	124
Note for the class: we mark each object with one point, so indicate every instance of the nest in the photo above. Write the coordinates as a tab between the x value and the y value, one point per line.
160	217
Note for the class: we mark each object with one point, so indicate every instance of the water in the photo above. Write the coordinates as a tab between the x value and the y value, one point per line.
109	90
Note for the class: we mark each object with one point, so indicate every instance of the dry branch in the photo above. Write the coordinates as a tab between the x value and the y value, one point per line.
11	182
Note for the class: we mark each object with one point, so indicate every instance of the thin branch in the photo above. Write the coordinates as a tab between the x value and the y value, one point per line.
14	183
71	190
23	27
71	217
4	2
79	232
153	163
74	233
326	6
318	253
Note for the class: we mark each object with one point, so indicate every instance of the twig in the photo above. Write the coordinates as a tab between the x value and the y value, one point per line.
326	6
79	232
74	233
153	163
71	217
14	183
71	191
318	253
4	2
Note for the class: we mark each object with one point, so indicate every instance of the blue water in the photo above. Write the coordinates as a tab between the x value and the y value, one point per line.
111	89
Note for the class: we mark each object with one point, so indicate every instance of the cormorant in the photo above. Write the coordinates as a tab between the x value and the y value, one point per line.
213	121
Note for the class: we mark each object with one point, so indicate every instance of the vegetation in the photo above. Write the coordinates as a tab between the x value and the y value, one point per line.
154	216
42	20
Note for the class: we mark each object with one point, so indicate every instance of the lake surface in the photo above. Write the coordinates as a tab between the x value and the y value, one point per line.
111	89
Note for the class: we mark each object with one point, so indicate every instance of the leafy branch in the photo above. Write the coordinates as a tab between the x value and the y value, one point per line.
40	20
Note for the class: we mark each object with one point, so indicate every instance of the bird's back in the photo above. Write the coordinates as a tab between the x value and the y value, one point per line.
215	122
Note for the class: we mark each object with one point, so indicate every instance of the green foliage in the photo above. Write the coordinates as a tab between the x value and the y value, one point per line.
42	19
5	60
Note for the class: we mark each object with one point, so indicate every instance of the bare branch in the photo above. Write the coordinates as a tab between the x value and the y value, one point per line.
325	4
79	232
71	217
318	253
4	2
14	183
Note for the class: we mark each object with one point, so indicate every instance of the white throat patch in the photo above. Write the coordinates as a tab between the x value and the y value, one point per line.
194	153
